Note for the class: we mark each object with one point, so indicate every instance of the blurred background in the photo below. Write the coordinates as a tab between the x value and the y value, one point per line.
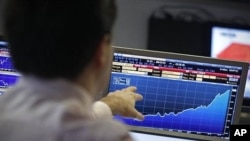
134	16
133	23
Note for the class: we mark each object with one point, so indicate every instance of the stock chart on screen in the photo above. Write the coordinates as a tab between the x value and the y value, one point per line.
173	104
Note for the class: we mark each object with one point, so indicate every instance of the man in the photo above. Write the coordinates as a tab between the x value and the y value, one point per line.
63	51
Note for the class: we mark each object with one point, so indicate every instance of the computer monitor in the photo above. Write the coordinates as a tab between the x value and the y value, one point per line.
232	42
186	96
8	75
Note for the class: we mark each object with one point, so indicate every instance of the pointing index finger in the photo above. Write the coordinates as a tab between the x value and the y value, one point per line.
138	97
130	88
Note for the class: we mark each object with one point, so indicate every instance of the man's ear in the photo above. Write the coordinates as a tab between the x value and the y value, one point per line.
102	51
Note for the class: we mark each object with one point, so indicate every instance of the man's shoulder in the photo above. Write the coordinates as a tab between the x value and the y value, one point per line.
98	130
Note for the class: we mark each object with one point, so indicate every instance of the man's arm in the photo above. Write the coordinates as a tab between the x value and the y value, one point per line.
121	102
101	110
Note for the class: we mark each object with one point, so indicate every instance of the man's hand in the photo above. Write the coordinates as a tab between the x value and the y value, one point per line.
122	102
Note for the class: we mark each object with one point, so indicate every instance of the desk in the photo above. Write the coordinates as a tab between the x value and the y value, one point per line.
148	137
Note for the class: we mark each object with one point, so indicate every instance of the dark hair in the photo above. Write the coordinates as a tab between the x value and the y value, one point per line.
56	38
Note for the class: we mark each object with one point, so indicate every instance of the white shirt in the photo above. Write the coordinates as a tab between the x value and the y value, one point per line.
39	110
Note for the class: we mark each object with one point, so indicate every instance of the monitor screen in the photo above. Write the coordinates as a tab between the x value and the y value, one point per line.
233	43
182	93
8	75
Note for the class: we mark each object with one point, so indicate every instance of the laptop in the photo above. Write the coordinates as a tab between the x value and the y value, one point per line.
185	96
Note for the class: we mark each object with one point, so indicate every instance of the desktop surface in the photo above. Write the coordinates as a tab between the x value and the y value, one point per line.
150	137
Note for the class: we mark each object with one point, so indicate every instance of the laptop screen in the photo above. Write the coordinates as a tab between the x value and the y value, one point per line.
182	93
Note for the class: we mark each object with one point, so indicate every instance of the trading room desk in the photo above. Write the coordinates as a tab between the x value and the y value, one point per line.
148	137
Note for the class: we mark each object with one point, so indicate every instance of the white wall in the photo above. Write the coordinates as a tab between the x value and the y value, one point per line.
131	26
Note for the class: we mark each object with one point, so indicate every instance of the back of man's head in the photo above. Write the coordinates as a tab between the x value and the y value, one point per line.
56	38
